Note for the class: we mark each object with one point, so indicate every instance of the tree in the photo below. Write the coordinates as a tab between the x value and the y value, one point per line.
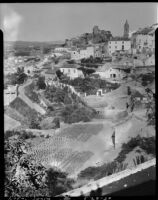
21	76
41	83
59	74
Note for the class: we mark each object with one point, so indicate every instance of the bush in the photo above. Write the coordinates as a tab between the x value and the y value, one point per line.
147	144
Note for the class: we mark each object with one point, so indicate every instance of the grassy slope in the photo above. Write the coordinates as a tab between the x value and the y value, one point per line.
21	107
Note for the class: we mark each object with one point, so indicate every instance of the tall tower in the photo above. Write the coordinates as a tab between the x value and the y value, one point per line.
126	29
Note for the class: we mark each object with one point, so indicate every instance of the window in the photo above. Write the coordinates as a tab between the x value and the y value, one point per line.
115	47
74	71
115	42
122	47
69	70
122	42
114	75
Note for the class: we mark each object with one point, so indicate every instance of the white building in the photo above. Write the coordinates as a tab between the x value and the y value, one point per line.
71	71
82	53
144	39
150	61
75	55
86	53
119	44
61	49
111	73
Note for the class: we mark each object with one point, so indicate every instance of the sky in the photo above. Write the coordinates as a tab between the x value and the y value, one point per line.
60	21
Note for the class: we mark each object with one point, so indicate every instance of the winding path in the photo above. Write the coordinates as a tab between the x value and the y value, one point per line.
33	105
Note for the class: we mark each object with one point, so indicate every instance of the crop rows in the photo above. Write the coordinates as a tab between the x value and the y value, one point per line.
81	132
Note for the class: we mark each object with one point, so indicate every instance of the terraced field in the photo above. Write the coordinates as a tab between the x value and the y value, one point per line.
81	132
59	152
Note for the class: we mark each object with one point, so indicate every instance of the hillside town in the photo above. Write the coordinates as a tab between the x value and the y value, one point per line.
85	106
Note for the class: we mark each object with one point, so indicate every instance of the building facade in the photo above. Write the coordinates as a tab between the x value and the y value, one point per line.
120	44
111	73
82	53
143	40
71	72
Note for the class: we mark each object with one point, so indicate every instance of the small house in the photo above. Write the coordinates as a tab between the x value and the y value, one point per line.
72	71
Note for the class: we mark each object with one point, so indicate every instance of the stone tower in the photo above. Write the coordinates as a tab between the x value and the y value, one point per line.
126	29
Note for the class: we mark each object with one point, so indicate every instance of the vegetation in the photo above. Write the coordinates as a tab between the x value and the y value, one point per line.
72	108
74	113
90	85
147	144
31	94
15	78
26	178
22	134
20	76
41	83
87	71
20	106
102	171
150	106
91	61
82	132
147	79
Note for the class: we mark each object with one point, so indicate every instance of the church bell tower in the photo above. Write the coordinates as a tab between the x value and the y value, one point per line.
126	30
